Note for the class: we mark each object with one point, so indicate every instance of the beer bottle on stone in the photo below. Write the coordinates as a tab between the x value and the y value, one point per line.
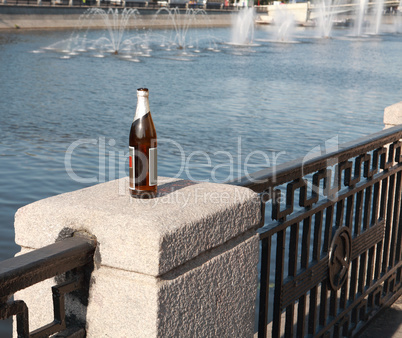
142	150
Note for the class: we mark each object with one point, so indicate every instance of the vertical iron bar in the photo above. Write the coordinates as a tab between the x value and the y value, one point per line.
264	287
395	223
344	295
328	229
333	303
353	279
301	317
280	253
339	213
324	303
317	235
382	211
356	231
365	224
325	249
370	266
316	257
399	240
373	222
22	320
358	212
306	243
333	299
348	223
376	197
349	212
58	305
301	312
388	223
362	272
312	316
293	245
367	207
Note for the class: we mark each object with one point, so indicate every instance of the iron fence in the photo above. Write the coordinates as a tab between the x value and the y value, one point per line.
71	260
331	243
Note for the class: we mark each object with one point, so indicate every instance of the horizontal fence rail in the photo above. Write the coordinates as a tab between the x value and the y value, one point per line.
72	257
331	242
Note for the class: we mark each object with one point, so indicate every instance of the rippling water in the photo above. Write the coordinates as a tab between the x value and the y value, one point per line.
280	99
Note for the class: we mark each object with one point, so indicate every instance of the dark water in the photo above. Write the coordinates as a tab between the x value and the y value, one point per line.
211	110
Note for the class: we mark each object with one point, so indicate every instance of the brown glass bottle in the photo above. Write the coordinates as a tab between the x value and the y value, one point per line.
142	150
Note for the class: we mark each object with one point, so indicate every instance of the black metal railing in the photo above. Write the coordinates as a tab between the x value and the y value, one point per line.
71	260
331	243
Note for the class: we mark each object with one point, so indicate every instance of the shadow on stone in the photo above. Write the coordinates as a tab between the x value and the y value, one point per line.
388	323
170	187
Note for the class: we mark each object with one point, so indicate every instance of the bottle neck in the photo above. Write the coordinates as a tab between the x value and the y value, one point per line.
142	107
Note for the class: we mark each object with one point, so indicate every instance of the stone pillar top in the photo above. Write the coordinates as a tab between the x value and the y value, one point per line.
147	236
393	115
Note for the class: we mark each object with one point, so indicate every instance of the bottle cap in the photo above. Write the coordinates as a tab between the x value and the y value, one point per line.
142	92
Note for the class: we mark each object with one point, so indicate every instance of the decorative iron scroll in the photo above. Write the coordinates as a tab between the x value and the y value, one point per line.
339	258
71	258
331	244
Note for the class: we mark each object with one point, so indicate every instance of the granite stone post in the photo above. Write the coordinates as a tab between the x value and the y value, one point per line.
183	264
393	115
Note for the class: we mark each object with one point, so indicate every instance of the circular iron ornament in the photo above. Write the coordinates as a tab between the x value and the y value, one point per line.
339	257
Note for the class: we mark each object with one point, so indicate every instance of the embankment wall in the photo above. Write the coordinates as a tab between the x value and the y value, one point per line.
41	17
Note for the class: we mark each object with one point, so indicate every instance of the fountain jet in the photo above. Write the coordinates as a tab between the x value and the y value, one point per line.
243	27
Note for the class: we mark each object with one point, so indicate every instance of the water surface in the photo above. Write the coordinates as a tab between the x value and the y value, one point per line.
282	99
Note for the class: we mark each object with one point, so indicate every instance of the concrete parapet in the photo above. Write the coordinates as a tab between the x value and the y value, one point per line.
393	115
42	17
183	264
